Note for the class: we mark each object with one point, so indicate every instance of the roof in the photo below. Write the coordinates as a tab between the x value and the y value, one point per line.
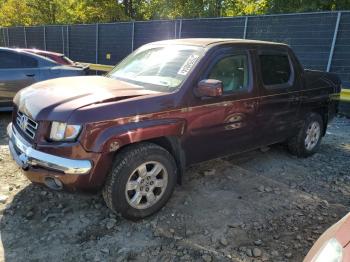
214	41
21	51
38	51
16	50
29	51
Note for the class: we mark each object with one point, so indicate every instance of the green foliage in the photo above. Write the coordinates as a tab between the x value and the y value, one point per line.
286	6
13	13
246	7
95	11
38	12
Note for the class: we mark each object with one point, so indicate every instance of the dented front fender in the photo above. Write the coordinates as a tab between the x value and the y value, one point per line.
110	136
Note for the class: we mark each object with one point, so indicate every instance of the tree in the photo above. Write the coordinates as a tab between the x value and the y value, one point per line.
245	7
14	13
36	12
128	8
95	11
44	12
285	6
164	9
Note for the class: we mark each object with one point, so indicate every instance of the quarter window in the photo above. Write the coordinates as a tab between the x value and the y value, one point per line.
232	71
275	69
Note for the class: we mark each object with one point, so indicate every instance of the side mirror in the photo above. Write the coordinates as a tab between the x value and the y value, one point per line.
209	88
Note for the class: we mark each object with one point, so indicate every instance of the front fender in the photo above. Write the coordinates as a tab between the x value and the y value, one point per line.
112	137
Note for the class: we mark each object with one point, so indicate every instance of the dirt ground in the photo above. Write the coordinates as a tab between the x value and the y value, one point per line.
258	206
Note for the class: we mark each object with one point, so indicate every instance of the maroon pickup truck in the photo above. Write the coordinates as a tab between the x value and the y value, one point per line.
166	106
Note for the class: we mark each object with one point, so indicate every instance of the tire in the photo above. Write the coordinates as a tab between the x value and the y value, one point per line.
299	145
138	172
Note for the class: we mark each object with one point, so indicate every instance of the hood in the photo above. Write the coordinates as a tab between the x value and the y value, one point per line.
57	99
343	231
340	231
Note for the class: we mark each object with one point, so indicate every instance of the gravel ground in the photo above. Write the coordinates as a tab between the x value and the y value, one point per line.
258	206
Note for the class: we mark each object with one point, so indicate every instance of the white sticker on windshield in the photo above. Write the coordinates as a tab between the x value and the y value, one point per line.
188	65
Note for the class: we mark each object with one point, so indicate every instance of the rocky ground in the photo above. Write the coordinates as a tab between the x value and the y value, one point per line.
258	206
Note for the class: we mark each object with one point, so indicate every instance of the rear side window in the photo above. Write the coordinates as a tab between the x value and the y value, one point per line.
28	62
275	69
11	60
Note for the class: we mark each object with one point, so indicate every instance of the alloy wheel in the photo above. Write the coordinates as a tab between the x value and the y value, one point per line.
313	134
146	185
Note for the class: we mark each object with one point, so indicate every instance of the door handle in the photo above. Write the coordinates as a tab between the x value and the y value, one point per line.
30	75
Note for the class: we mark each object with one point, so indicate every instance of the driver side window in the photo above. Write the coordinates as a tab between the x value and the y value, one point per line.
232	71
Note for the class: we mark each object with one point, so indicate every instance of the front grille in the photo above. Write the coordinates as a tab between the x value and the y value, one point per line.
27	125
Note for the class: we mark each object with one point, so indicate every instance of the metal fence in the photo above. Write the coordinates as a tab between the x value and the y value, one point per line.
320	40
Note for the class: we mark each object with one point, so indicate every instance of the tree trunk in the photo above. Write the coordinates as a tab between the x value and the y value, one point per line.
128	8
218	8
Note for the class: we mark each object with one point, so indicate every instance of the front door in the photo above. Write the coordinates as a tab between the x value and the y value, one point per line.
226	124
16	72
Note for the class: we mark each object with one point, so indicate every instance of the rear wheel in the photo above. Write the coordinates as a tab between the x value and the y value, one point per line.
308	139
141	181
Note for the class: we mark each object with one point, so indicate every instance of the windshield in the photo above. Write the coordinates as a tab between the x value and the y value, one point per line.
158	68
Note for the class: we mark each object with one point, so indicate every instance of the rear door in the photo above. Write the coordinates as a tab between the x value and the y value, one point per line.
16	72
279	103
226	124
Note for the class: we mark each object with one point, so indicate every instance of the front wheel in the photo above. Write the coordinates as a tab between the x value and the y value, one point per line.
308	139
141	181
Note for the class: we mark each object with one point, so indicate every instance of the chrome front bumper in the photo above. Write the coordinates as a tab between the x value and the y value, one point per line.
26	156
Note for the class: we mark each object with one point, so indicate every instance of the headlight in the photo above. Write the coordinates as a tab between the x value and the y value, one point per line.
331	252
64	132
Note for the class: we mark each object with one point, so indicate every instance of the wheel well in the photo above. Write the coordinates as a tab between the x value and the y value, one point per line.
323	112
163	142
173	146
